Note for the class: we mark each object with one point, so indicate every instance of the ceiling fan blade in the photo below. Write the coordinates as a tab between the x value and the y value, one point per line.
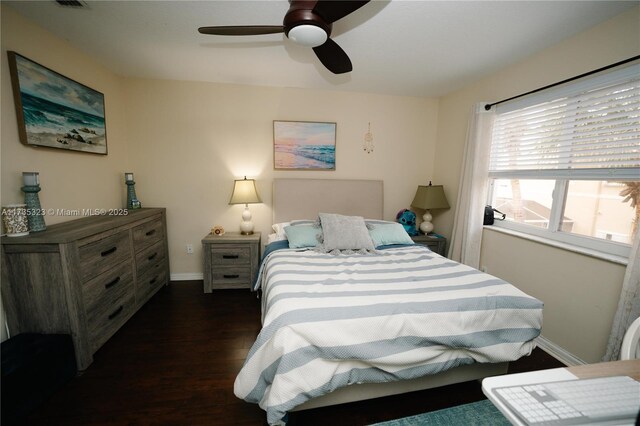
242	30
333	57
332	10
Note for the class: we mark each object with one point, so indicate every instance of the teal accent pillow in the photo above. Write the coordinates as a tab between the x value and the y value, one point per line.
301	236
390	233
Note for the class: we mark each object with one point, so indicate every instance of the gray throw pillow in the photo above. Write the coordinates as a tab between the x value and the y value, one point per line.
345	232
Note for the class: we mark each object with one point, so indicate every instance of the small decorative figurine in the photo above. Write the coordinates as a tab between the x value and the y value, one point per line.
217	230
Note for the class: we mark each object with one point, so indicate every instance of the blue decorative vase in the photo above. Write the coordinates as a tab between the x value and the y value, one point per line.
35	215
132	199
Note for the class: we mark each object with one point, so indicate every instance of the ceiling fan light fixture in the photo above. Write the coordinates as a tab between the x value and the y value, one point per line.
308	35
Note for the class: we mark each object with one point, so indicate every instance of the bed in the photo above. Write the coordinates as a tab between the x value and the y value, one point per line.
348	325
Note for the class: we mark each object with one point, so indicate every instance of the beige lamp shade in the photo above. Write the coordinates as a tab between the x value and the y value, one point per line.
244	192
430	197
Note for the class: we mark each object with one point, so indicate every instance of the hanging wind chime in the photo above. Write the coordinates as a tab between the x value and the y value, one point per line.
368	141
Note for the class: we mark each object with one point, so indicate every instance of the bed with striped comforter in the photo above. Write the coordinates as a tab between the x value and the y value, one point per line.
332	321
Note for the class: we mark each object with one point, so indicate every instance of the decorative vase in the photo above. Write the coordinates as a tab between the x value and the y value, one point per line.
34	210
132	199
14	218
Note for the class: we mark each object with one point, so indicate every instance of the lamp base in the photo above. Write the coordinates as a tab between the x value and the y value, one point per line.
426	226
246	226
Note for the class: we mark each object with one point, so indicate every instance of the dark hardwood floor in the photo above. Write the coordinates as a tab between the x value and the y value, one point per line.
175	361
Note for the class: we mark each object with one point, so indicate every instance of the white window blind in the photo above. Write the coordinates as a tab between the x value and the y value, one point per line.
589	134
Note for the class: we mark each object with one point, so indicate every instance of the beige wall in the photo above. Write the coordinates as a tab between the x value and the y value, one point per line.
188	141
69	180
580	292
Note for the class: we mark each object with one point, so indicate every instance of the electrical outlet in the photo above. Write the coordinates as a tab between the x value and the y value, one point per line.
189	248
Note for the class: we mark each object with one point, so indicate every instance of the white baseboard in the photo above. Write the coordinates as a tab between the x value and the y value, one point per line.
558	352
187	276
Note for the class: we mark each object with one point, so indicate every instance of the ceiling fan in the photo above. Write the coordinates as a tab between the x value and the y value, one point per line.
307	23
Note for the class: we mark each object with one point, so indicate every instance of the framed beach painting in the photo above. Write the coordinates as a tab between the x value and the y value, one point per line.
304	145
54	111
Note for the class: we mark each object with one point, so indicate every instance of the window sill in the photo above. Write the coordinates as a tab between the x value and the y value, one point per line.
558	244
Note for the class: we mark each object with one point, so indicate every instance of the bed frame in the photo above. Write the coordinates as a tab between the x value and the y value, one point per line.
304	199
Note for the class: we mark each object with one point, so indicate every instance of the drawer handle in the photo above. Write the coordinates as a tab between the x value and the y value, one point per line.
116	312
230	256
231	276
150	233
153	281
152	256
108	252
112	283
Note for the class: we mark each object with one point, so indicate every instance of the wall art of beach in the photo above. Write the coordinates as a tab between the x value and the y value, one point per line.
301	145
59	112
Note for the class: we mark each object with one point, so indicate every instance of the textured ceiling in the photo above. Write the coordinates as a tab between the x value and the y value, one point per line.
416	48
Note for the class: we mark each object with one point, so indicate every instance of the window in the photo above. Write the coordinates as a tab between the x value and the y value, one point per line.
565	165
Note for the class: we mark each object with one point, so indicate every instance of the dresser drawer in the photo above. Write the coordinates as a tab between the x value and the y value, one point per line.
230	255
148	283
102	287
149	257
102	255
146	234
108	316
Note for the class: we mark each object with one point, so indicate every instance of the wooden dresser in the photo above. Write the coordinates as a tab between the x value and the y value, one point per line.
84	277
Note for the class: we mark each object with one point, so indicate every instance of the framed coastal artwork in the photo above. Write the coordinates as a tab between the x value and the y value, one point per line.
304	145
54	111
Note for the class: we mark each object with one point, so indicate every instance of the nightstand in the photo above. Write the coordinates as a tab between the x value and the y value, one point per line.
435	244
230	260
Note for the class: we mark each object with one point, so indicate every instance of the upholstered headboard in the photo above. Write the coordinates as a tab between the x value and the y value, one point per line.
305	198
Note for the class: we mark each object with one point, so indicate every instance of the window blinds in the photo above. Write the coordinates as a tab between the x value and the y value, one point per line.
591	134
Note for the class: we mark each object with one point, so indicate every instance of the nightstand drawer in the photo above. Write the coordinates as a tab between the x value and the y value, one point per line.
435	244
231	277
102	255
231	255
432	246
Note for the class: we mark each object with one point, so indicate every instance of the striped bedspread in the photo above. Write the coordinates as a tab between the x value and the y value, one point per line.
332	321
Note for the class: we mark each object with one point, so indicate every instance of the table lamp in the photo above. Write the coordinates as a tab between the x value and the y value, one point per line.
428	198
244	192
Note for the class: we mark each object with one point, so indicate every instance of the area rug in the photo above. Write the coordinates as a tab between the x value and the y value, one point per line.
481	413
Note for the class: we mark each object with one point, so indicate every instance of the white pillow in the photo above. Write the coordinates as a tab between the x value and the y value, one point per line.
272	238
278	228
